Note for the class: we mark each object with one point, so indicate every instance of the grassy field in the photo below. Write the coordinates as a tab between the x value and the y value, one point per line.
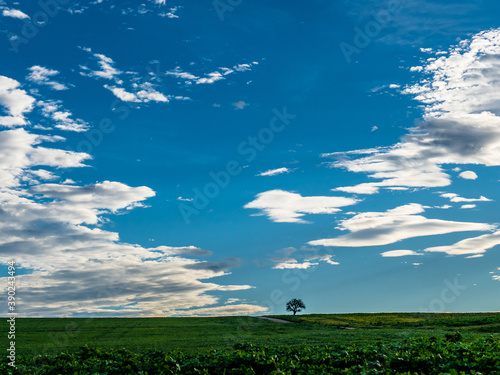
196	335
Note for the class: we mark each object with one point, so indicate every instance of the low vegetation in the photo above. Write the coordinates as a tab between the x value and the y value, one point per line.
416	356
317	343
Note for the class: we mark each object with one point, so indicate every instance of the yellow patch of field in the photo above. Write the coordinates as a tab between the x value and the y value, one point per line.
323	320
362	320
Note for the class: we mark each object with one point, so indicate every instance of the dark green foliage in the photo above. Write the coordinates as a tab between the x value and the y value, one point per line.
50	336
295	305
425	355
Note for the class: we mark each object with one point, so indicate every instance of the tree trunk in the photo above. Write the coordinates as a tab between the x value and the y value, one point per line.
295	312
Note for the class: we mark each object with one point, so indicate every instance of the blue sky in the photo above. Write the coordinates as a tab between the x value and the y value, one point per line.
163	158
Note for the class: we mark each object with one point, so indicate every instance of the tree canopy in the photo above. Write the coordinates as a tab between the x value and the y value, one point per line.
295	305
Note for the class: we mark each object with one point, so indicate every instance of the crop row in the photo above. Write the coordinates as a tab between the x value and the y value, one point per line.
415	356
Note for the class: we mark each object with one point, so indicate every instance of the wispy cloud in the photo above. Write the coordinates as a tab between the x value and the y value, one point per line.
122	94
74	267
293	264
286	207
71	265
456	198
137	91
475	245
208	78
172	13
42	76
242	67
240	105
178	73
461	126
403	222
145	93
274	172
158	7
62	119
285	260
106	65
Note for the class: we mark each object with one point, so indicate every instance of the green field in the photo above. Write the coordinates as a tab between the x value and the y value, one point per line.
411	343
195	335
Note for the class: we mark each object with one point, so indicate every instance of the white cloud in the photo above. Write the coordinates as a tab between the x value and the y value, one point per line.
383	228
242	67
374	127
366	188
367	151
468	206
14	13
106	64
55	231
287	262
126	8
293	264
285	207
468	175
20	151
184	199
41	174
209	78
178	73
61	117
461	97
399	253
147	94
15	101
327	258
464	79
87	202
240	105
122	94
456	198
73	267
41	76
171	13
144	92
274	172
443	207
416	68
475	245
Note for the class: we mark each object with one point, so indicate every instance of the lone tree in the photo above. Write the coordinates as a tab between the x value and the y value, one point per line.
295	305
